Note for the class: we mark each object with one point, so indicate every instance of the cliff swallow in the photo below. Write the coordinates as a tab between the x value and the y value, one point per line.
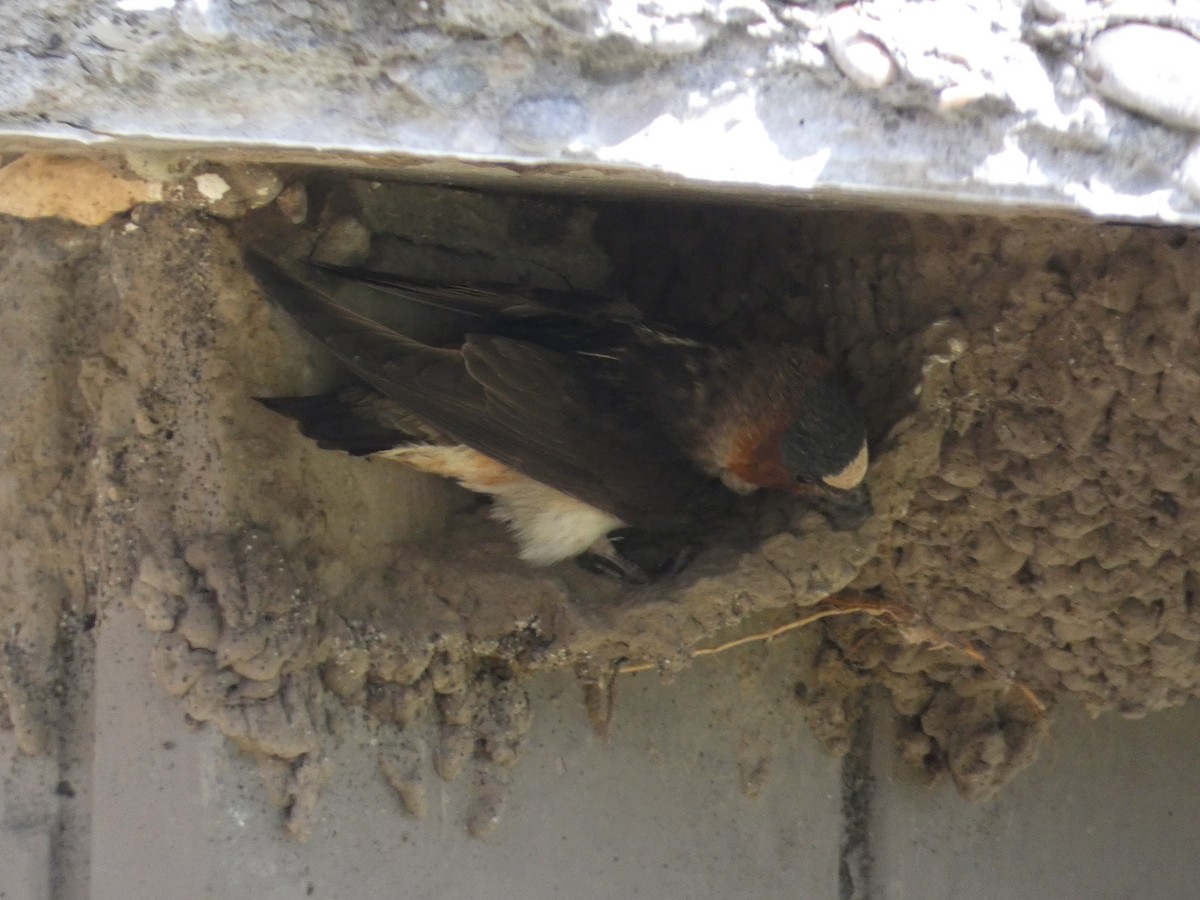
576	419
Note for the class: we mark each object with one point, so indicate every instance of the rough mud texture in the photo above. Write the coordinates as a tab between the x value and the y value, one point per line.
1031	389
1058	531
45	492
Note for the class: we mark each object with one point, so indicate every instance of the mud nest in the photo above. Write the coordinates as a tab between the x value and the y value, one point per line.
1032	394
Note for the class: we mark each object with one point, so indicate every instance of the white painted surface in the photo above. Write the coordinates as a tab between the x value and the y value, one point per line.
150	818
655	811
24	865
28	807
1108	812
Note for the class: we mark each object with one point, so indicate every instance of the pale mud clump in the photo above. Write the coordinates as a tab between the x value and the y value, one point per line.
1059	530
1031	406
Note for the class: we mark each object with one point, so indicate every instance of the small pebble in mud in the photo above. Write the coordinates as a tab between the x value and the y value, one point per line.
861	58
347	242
248	187
1150	70
293	202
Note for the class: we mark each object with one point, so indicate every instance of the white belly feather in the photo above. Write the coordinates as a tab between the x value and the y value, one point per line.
549	525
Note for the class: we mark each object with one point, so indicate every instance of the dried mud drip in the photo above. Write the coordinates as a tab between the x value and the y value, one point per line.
1031	389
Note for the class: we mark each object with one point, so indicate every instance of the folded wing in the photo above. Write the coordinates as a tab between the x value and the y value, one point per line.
567	419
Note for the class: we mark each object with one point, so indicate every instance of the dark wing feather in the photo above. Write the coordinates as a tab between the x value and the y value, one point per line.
489	301
556	417
356	419
421	378
549	415
570	322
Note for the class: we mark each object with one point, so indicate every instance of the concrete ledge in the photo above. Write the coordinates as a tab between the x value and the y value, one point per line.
930	103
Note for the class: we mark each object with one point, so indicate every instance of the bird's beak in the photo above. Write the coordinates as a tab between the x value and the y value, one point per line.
845	510
850	477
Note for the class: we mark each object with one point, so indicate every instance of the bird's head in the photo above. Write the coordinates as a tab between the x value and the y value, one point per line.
825	443
818	451
824	450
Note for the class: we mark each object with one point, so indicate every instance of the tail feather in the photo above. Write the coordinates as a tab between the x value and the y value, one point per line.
337	422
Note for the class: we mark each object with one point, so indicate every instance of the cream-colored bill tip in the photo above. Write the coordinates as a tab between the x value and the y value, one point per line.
851	476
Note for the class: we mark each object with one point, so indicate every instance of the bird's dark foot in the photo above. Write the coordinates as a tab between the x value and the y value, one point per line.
683	558
638	558
611	564
845	510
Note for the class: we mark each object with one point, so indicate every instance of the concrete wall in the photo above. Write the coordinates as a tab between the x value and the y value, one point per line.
167	809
